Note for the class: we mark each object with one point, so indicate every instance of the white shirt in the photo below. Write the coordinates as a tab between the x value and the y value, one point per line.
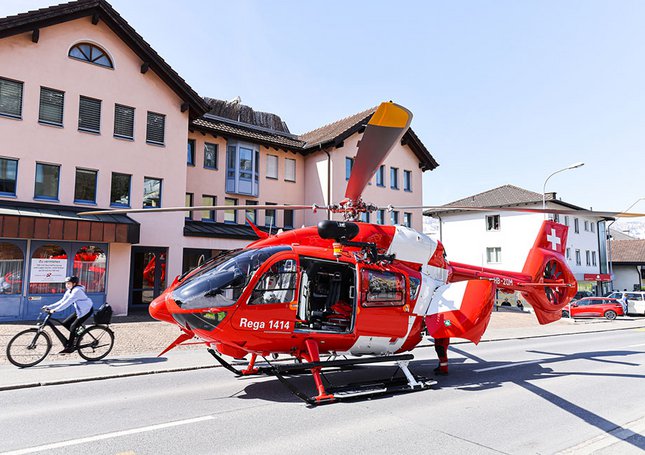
75	296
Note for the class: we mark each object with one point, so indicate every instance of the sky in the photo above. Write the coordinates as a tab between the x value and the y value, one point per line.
502	91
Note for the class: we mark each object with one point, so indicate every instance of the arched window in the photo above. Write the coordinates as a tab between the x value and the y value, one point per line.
48	267
89	267
90	53
11	263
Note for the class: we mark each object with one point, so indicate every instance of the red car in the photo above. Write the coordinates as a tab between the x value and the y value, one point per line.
594	307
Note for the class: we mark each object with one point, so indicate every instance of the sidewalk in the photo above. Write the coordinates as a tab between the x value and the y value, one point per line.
138	340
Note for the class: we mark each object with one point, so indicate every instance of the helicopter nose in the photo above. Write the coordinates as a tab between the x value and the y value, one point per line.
159	310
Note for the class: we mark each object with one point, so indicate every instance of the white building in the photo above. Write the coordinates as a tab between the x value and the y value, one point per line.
502	240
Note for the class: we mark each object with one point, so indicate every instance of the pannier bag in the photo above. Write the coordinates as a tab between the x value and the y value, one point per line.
104	314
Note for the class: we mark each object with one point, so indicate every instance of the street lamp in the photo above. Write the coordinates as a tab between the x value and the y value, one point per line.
611	262
573	166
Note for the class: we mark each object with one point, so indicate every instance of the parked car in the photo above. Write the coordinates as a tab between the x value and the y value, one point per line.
593	307
635	301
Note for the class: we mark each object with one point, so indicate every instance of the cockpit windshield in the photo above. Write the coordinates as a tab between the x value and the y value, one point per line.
221	282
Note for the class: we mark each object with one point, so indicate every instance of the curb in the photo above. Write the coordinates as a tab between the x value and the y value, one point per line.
203	367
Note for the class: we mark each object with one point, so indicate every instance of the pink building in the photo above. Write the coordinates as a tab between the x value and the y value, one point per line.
92	117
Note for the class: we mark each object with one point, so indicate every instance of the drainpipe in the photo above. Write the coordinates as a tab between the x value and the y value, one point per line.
328	180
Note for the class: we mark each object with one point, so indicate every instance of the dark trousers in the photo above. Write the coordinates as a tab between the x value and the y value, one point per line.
73	322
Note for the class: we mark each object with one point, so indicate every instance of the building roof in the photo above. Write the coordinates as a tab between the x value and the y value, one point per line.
628	251
502	196
101	10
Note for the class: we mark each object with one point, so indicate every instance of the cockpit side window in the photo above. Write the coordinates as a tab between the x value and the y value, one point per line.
277	285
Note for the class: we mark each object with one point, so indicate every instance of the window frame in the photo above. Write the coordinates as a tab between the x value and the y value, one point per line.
146	179
96	179
15	180
191	146
86	129
234	181
286	170
88	59
21	90
407	180
120	204
116	122
495	251
407	219
490	227
215	155
254	212
277	162
47	198
380	175
40	107
228	211
284	218
189	201
576	225
578	257
349	165
380	217
394	217
274	216
212	215
148	130
394	178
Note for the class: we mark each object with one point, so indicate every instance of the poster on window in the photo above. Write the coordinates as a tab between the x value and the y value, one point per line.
48	270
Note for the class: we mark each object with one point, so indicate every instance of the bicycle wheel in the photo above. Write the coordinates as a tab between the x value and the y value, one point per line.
95	343
28	348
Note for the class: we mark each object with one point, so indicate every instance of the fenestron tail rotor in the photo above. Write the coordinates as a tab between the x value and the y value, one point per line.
384	130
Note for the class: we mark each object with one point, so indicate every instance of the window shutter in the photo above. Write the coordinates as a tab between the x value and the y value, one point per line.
156	127
123	121
89	115
51	106
10	98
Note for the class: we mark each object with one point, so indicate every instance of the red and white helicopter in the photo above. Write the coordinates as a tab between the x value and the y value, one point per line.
351	288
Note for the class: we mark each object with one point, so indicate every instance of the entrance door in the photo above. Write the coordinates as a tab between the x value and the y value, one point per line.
148	275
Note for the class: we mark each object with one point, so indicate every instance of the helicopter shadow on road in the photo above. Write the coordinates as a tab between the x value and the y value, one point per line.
472	377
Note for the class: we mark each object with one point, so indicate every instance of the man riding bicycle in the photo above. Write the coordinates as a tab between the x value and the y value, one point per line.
75	295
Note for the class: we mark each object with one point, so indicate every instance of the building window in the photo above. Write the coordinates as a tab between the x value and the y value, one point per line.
89	115
120	189
349	164
290	170
380	216
407	219
251	214
85	186
11	265
155	130
593	257
242	169
8	176
123	121
394	217
10	98
47	178
492	222
190	197
89	267
208	201
51	106
365	217
588	257
151	192
566	220
230	216
380	175
578	261
494	255
272	167
586	225
592	226
269	216
190	152
576	226
210	156
407	180
568	253
556	217
288	218
90	53
394	178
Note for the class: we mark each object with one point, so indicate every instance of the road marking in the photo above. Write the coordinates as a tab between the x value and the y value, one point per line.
608	439
101	437
509	365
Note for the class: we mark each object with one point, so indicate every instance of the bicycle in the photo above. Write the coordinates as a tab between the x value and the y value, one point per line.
31	346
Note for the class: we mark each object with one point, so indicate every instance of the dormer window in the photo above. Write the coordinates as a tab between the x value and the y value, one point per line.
90	53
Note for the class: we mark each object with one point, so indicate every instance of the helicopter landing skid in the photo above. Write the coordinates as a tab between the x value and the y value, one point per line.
408	383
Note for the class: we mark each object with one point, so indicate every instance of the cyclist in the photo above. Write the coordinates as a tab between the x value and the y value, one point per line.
75	295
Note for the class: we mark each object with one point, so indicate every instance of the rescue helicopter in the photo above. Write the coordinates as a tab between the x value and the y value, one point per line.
356	292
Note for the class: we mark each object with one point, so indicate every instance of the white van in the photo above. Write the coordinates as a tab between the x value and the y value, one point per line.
635	300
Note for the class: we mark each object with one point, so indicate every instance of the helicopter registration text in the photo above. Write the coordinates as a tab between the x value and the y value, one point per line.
260	325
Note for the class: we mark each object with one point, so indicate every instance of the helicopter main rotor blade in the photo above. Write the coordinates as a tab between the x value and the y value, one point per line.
204	207
386	127
519	209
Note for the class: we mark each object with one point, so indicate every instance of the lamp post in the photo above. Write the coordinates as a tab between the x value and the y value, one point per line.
611	263
573	166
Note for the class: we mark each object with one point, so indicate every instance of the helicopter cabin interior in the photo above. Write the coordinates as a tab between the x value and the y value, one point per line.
327	296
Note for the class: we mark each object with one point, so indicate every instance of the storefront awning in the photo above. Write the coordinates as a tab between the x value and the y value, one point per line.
221	230
58	222
597	277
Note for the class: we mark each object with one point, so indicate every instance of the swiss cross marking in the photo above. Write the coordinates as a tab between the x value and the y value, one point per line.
553	239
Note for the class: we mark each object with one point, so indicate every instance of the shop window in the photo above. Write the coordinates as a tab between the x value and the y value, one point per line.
11	265
47	177
10	98
48	270
151	192
277	285
89	266
242	161
90	53
8	176
123	121
382	289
